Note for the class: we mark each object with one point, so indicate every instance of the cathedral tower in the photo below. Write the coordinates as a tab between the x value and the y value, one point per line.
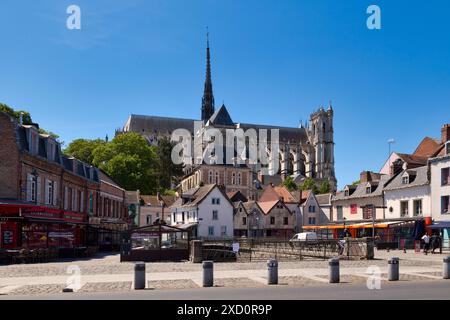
208	97
322	140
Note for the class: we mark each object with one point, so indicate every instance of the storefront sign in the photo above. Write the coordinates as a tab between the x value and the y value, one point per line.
78	217
42	214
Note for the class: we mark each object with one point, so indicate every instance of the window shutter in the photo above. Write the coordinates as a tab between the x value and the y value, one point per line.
55	193
66	198
82	201
29	179
46	191
38	192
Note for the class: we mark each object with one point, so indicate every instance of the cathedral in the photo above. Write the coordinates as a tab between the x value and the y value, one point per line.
306	151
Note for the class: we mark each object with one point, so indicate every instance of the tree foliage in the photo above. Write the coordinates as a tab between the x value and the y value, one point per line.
308	184
290	184
131	161
324	188
26	117
83	149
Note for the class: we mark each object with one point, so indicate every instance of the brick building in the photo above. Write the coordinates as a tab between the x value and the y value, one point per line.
46	198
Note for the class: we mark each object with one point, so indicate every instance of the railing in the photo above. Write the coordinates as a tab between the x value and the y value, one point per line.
262	249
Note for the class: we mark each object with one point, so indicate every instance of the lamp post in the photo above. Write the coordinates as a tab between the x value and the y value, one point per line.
390	142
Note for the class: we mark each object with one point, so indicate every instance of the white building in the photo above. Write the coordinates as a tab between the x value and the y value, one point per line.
440	193
206	211
408	194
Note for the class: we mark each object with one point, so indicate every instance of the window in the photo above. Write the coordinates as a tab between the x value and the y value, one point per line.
216	177
368	211
233	178
272	220
368	190
223	231
91	202
353	209
239	178
405	180
174	217
182	216
312	220
347	193
210	177
215	215
285	221
340	213
149	219
244	221
312	209
218	201
210	231
49	192
445	204
445	176
404	208
417	207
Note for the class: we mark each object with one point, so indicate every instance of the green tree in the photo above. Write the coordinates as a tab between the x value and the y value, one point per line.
307	184
83	149
290	184
355	183
130	161
168	172
324	188
26	117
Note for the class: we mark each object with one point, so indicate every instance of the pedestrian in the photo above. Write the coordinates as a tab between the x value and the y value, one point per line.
426	243
436	242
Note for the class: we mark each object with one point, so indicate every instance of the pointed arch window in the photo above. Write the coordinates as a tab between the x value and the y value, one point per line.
216	177
210	177
239	178
233	178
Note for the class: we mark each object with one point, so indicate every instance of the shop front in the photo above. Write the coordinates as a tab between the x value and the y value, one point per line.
33	227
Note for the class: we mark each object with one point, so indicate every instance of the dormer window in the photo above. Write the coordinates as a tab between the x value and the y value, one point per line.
368	190
347	192
405	179
447	148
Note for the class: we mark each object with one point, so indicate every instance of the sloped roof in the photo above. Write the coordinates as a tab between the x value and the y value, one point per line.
284	193
324	199
221	117
266	206
420	178
157	125
360	191
427	147
413	160
269	195
153	201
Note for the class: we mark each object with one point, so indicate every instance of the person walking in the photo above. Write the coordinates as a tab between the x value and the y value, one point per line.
426	243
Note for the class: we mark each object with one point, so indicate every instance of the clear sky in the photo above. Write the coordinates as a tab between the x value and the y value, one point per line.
273	62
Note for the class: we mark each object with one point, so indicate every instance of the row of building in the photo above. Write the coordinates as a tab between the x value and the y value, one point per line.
409	195
50	200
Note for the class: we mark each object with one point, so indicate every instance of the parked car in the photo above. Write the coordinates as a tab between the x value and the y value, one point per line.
305	236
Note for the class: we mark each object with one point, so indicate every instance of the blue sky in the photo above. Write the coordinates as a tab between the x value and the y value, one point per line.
273	62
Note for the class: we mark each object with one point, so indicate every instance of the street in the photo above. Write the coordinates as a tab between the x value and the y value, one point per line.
432	290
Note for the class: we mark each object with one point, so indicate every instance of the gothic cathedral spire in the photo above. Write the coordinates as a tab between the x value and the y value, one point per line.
208	97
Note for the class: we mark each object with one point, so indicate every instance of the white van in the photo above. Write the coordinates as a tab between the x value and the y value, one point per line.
304	236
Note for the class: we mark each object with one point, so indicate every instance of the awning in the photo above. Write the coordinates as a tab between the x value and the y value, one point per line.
440	225
186	225
360	225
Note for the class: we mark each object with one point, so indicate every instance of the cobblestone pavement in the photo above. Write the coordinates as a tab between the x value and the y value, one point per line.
106	273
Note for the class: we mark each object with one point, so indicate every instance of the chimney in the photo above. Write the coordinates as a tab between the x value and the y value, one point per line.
445	133
21	119
365	176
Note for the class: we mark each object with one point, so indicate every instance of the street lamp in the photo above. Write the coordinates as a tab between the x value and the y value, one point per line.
390	142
